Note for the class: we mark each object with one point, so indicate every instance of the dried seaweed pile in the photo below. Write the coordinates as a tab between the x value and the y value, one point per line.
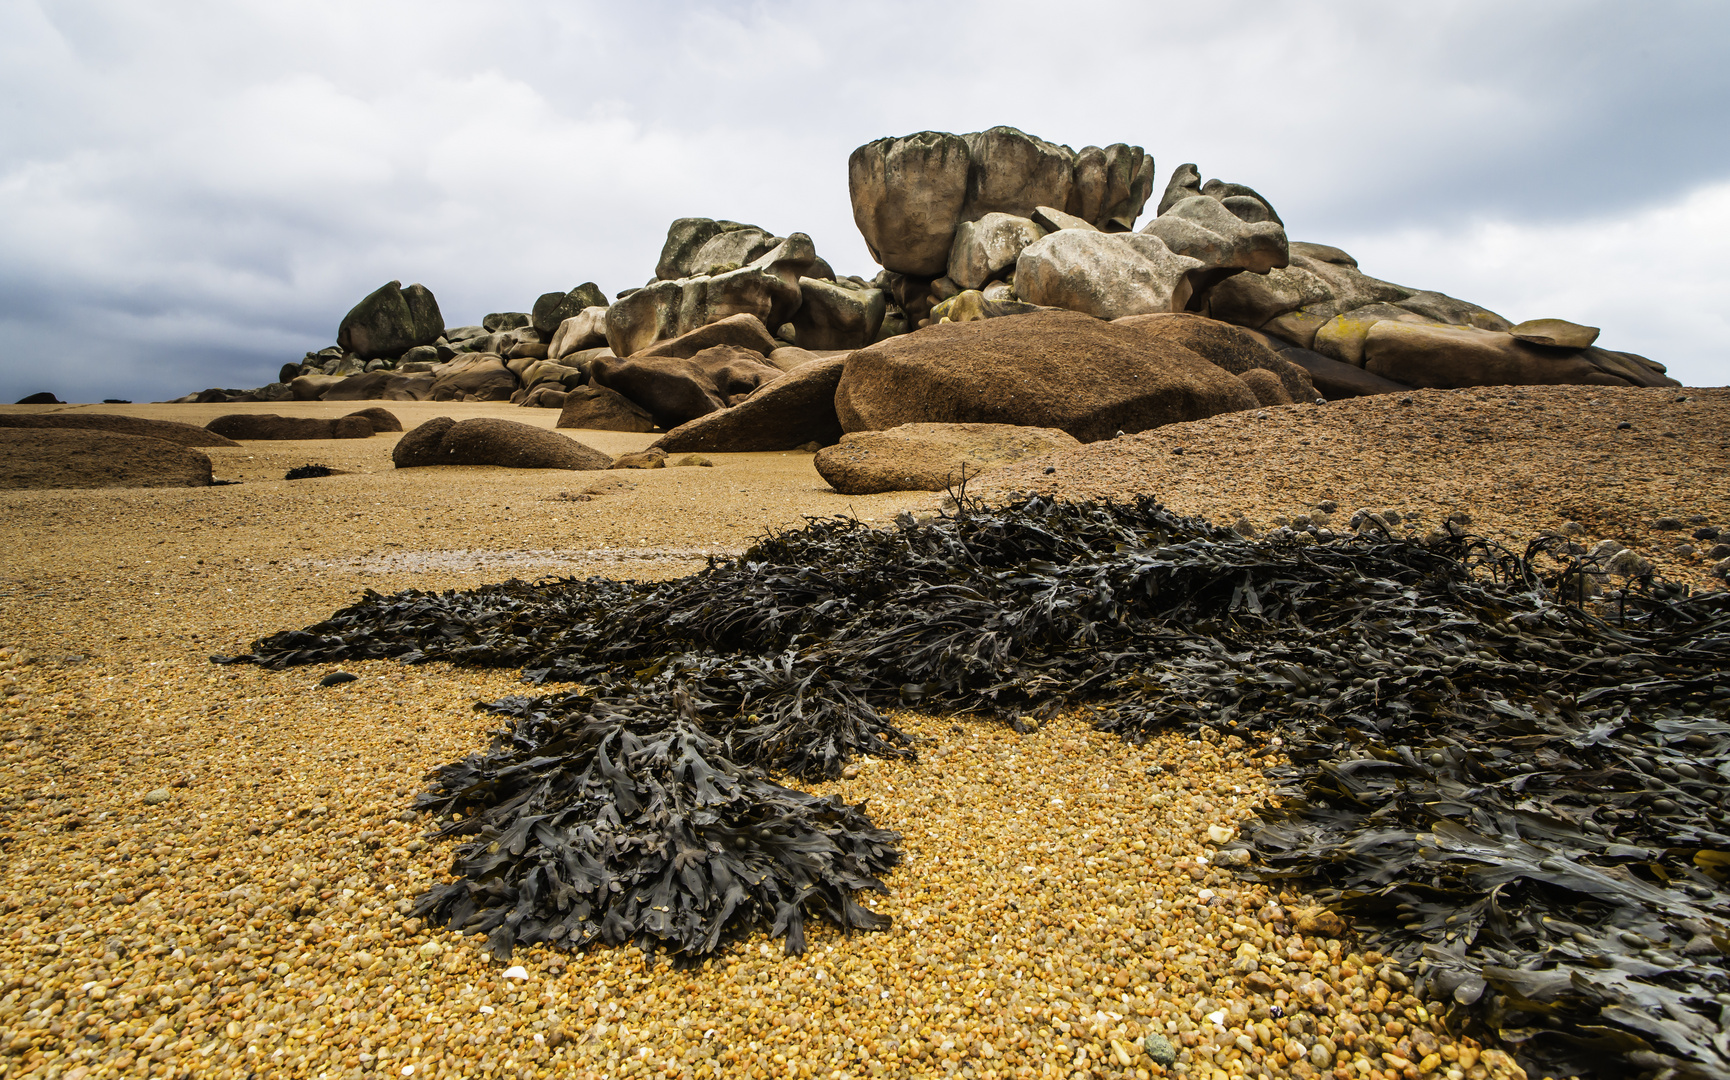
1514	792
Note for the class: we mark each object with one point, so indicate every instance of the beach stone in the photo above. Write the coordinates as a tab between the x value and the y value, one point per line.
986	249
788	357
1202	228
486	441
473	377
313	386
1557	332
1232	348
1106	275
1055	369
157	796
546	396
1160	1049
1051	219
1337	381
1185	183
907	195
598	408
414	387
504	321
1111	185
267	426
767	288
587	329
740	331
32	458
1447	357
1266	387
369	386
831	316
782	414
677	389
390	321
168	430
652	458
729	250
552	309
685	237
381	419
929	457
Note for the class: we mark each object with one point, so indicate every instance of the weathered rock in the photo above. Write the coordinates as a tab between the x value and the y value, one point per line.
1106	275
391	321
1185	183
36	458
1557	332
1057	369
381	419
1112	186
1203	229
1051	220
676	389
486	441
768	289
527	350
546	396
552	371
1236	196
420	354
597	408
1336	380
730	250
930	457
1267	387
1454	356
1342	337
367	387
1011	172
788	412
652	458
789	357
739	331
1231	348
908	194
587	329
553	308
973	304
473	377
1442	308
271	426
503	321
833	317
43	397
685	238
412	387
167	430
1297	300
986	250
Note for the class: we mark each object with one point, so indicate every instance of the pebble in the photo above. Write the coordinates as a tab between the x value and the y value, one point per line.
157	796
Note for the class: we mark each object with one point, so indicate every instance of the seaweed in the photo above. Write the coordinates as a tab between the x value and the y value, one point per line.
1516	788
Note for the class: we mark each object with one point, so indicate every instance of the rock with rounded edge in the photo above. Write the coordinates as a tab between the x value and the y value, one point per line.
907	195
1204	229
40	458
768	289
1051	220
1342	337
786	413
930	457
1011	172
411	387
546	396
1112	185
42	397
473	377
364	387
973	304
1058	369
788	357
730	250
552	309
677	389
1558	332
652	458
1266	387
381	419
168	430
1337	381
1442	308
831	316
587	329
486	441
1447	357
597	408
1229	347
739	331
267	426
390	321
986	250
1106	275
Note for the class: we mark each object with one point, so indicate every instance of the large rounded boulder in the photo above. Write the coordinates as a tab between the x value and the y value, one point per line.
1057	369
676	390
391	321
486	441
930	457
87	458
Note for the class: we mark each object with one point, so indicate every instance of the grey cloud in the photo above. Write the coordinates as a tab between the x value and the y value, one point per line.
191	198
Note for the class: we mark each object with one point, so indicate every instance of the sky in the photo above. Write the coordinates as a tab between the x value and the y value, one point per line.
194	193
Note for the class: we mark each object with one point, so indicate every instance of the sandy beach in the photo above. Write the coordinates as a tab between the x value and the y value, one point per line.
208	869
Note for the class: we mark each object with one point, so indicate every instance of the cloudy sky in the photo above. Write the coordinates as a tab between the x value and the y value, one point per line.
192	193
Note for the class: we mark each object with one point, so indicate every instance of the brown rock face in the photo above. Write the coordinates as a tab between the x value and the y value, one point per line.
1224	345
796	409
1266	387
600	409
930	457
474	377
1057	369
485	441
272	426
676	390
381	419
85	458
169	430
740	331
1446	357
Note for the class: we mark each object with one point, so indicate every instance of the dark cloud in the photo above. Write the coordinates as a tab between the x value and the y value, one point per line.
191	196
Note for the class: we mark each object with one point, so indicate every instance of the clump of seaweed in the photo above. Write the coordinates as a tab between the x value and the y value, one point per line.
308	472
1524	798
